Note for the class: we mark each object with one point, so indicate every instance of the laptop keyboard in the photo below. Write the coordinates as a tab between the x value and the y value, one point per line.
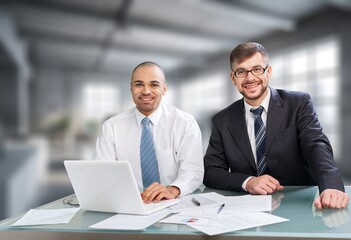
154	205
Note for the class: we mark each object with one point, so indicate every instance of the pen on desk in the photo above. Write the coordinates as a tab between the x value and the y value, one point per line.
196	202
220	208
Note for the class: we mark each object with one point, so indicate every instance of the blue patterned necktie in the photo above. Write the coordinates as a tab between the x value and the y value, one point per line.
149	167
260	139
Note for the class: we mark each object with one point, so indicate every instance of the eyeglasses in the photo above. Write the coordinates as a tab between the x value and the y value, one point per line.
255	71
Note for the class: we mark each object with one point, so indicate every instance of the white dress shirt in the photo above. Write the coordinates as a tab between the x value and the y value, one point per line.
250	123
177	139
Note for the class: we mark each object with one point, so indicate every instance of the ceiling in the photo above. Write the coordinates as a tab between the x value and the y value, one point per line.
115	35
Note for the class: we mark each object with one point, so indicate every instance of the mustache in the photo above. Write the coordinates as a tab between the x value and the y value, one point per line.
252	81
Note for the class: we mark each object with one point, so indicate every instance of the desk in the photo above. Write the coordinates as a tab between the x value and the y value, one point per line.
296	204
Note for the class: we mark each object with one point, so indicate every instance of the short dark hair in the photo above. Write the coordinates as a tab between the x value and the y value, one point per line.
246	50
146	63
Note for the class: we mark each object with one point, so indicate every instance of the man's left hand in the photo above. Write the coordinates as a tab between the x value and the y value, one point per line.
332	198
155	192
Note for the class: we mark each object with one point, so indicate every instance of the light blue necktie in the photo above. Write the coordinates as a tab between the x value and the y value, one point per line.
260	139
149	167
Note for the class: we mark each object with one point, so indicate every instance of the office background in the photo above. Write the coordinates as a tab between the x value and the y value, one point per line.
65	67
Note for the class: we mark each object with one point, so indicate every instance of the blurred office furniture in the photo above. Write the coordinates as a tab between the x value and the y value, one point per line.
23	167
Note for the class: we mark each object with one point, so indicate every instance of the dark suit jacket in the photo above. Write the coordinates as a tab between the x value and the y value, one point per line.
297	151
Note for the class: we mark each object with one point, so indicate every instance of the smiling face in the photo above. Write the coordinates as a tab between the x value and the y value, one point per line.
148	87
253	88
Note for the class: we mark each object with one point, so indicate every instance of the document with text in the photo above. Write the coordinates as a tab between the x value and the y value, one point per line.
218	224
230	223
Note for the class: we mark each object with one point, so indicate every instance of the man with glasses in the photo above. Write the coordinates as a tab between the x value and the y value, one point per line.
270	137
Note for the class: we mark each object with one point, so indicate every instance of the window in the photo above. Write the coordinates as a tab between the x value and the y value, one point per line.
204	94
313	68
100	101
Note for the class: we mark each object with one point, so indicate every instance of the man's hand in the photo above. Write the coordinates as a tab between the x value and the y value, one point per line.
263	185
155	192
332	198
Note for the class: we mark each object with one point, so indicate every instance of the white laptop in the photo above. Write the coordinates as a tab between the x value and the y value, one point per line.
109	186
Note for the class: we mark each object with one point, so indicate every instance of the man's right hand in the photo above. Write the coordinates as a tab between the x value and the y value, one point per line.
263	185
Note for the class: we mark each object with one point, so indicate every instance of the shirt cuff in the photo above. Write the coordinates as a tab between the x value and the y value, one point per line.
184	190
245	182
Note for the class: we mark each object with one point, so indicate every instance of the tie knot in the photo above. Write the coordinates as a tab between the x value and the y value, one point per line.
257	112
145	121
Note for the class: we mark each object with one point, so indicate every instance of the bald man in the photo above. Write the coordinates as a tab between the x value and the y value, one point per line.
175	133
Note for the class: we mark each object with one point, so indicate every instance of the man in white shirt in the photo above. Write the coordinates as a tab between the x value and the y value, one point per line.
176	137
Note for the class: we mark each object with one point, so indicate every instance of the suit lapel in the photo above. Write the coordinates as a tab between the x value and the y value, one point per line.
238	130
276	114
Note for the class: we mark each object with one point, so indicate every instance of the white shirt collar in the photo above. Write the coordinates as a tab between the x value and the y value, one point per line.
264	104
154	117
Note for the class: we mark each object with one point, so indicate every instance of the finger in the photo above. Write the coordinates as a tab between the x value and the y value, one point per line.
269	188
339	199
268	184
333	203
149	190
164	194
145	194
317	203
263	188
155	191
260	191
273	180
344	201
278	187
339	203
325	200
159	196
257	189
153	196
273	186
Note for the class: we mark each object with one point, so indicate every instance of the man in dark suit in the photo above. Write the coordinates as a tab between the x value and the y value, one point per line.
282	144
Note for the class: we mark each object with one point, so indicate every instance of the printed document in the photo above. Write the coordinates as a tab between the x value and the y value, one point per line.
46	216
218	224
236	222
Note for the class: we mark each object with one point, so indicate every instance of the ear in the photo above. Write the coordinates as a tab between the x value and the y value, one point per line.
232	77
269	71
164	89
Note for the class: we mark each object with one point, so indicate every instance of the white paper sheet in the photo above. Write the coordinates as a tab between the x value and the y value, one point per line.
222	224
185	219
238	204
233	205
130	222
206	199
46	216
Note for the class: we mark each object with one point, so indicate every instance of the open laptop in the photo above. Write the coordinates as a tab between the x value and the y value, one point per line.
109	186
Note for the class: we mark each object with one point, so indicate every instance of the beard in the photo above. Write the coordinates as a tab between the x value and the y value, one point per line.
256	95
